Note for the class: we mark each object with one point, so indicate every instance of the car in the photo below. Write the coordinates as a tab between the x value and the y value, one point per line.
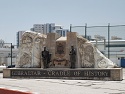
11	66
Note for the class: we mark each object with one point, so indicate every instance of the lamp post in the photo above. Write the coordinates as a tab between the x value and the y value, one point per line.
109	41
104	44
70	27
11	46
11	54
85	30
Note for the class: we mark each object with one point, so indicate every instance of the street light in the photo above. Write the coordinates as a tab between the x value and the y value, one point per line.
11	46
85	30
11	54
109	41
70	27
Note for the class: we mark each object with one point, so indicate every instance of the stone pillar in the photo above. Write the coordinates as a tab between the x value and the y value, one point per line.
72	41
51	42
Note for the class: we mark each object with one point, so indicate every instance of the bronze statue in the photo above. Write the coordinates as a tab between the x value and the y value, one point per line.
72	57
45	57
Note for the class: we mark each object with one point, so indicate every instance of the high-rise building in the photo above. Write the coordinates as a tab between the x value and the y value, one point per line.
43	28
19	36
49	28
62	32
58	27
1	43
38	28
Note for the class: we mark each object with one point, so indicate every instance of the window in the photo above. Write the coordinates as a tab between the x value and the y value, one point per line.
121	45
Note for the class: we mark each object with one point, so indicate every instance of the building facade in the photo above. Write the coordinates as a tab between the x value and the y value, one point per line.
5	54
62	32
49	28
116	49
19	36
43	28
1	43
99	37
38	28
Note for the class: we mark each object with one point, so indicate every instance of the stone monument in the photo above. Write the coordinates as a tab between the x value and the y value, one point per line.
70	57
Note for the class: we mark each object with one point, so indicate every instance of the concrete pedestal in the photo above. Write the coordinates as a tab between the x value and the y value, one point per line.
112	74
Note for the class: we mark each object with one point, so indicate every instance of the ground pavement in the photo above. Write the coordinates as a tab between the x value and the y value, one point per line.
61	86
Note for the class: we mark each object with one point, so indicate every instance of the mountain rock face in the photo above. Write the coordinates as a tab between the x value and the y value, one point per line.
60	48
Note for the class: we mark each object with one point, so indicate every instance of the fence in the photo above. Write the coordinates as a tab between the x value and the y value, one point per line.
109	32
8	53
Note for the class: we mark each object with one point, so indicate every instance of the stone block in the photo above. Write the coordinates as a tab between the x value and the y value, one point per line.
6	73
72	41
51	42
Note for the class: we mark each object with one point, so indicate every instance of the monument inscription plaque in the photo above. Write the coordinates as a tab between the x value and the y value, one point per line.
60	73
60	49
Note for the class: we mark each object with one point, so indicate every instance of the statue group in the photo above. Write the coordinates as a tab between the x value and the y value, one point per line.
72	57
46	57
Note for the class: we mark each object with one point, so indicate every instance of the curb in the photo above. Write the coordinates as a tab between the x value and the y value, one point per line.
8	91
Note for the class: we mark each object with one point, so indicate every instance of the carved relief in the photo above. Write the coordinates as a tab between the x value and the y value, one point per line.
26	40
81	43
86	53
25	59
37	40
60	62
30	49
81	52
27	43
60	49
102	64
42	42
39	43
89	56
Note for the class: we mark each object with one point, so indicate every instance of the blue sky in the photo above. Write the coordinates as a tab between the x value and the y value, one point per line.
16	15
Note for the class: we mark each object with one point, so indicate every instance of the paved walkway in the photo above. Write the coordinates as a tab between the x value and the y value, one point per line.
60	86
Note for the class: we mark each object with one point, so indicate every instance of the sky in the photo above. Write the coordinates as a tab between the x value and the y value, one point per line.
17	15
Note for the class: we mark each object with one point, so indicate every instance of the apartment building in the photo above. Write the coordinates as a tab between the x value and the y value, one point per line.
43	28
19	36
62	32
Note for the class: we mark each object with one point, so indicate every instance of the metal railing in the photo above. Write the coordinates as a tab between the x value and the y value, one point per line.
109	32
6	51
